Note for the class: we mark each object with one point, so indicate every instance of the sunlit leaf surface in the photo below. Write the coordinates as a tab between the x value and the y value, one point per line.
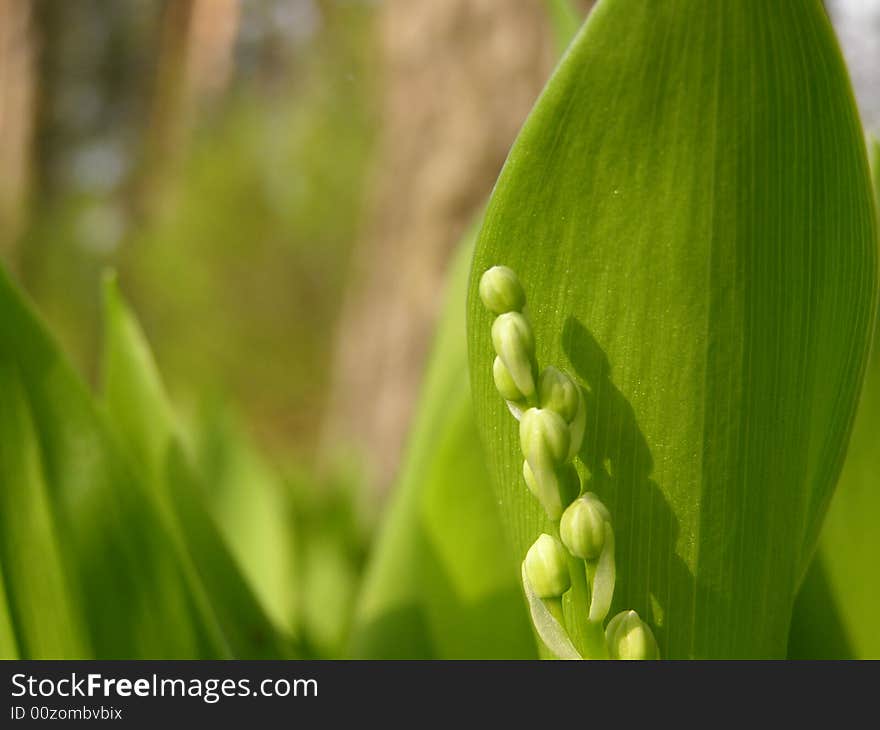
689	209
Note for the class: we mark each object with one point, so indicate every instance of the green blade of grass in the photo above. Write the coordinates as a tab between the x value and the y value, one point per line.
136	402
43	610
689	209
442	582
105	560
251	505
133	394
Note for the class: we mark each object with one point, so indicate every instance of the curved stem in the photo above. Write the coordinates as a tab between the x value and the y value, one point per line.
595	646
583	634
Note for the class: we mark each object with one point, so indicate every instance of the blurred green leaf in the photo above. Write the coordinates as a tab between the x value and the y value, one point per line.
132	389
565	21
252	508
139	410
843	583
817	628
442	581
689	209
8	643
42	608
91	566
334	527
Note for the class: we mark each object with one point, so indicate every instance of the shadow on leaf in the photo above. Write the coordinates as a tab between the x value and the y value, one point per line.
619	462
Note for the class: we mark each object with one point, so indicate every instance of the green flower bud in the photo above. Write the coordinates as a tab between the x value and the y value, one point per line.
546	567
515	344
628	637
544	441
582	527
504	382
501	291
559	393
554	494
544	438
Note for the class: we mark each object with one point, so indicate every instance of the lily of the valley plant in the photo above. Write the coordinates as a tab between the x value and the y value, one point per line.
568	576
689	210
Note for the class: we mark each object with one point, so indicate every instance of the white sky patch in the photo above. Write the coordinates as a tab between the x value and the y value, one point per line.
857	23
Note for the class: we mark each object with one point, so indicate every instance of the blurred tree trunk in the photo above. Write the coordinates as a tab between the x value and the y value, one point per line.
195	60
17	88
461	75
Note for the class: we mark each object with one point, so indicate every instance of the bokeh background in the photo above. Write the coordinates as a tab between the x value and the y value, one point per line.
280	185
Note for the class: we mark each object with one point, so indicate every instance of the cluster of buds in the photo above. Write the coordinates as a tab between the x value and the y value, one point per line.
579	558
550	407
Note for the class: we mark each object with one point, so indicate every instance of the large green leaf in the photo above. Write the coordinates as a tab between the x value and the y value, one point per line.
842	589
443	581
91	566
139	410
689	209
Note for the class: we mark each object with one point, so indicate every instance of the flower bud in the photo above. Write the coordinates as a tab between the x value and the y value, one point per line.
504	382
546	566
515	344
544	438
628	637
582	527
554	494
501	291
544	441
559	393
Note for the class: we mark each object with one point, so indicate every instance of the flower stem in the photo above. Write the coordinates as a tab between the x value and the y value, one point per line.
587	637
